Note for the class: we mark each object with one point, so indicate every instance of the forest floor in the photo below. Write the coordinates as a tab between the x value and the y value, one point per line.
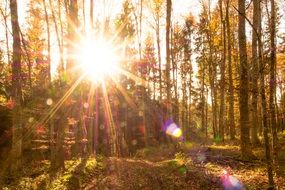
190	166
199	167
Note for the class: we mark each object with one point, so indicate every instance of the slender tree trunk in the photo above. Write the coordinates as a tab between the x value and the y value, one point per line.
264	113
243	99
29	62
4	15
223	63
272	85
174	78
73	23
231	86
51	122
61	42
168	61
255	73
92	14
206	110
16	152
96	126
203	98
61	67
48	40
84	15
212	75
140	28
157	31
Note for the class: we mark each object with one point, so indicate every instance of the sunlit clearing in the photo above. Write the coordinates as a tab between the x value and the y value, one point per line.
98	60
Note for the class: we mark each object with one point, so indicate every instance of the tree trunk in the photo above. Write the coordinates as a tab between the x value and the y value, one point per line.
16	157
73	23
5	16
203	98
168	61
223	63
264	113
92	14
61	67
272	85
212	76
231	86
159	56
48	40
255	73
243	86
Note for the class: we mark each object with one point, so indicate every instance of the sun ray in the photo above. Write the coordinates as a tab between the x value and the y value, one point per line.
125	95
107	108
44	120
135	78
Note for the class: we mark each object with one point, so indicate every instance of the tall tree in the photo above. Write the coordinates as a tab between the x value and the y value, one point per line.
16	89
48	41
230	73
264	106
223	64
156	7
272	85
243	86
4	14
255	72
168	60
92	14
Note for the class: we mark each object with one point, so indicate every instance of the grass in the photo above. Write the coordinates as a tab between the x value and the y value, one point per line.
37	176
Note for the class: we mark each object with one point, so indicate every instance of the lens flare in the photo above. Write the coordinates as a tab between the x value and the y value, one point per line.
31	120
177	133
230	182
49	102
86	105
172	129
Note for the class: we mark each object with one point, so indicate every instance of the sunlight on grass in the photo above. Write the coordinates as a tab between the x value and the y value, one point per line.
39	177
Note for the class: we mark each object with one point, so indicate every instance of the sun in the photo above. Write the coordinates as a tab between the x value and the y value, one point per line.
98	60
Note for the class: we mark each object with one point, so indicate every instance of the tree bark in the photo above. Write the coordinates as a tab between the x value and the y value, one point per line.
48	40
92	14
255	68
264	114
223	63
243	86
168	61
61	67
16	157
231	86
272	85
4	15
157	31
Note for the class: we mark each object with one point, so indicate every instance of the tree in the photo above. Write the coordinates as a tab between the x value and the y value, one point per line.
223	64
16	156
255	73
4	14
243	86
168	60
156	9
230	73
272	84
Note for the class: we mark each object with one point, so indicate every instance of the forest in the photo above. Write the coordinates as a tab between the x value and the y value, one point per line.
142	94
